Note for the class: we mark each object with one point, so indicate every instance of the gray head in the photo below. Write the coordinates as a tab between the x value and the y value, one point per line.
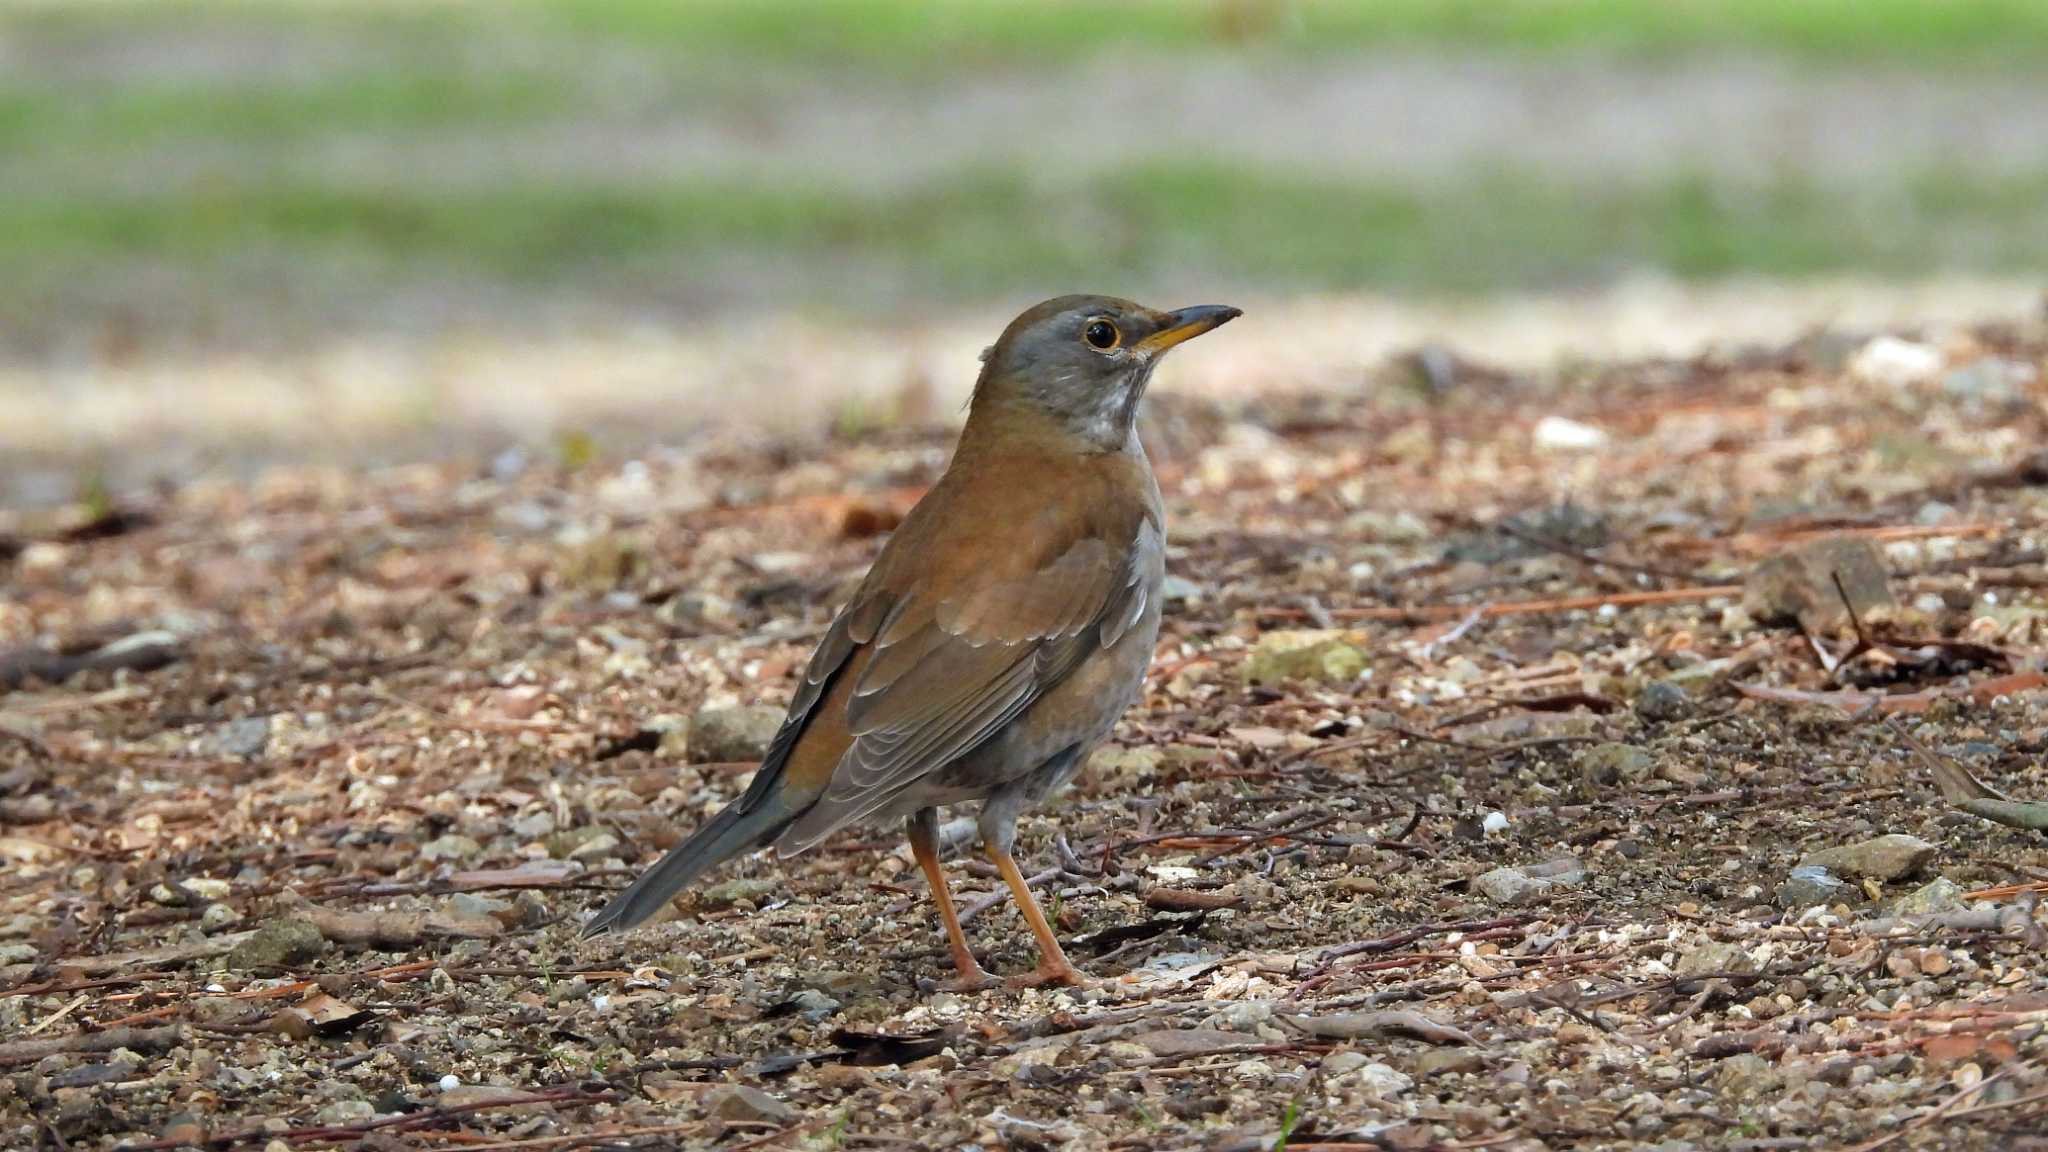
1085	361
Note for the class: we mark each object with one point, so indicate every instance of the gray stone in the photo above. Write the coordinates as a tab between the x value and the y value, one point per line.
731	735
1191	1041
595	847
450	847
242	739
535	825
280	942
814	1005
1991	381
94	1075
1934	512
1395	527
1808	886
1606	765
1381	1080
1340	1063
1713	958
470	906
1800	585
346	1112
1662	701
487	1095
183	1128
574	842
1124	766
698	608
1933	898
749	888
1317	656
737	1103
1746	1075
1884	858
1530	882
1179	590
1450	1061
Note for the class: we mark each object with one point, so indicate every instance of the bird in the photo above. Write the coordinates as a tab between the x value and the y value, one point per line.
1000	633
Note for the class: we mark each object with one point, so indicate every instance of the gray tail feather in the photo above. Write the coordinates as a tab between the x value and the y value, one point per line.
729	833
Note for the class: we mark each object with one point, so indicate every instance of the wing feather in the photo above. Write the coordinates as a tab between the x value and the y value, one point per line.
943	675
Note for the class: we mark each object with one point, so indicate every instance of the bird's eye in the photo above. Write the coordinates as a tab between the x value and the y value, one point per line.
1101	335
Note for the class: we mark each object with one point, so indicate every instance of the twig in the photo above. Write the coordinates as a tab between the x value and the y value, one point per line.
1427	649
140	1039
1860	702
2000	1105
142	652
2006	891
59	1014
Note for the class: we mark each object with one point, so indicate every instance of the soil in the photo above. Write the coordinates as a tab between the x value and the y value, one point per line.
1462	811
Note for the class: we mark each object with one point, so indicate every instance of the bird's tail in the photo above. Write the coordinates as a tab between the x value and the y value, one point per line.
734	830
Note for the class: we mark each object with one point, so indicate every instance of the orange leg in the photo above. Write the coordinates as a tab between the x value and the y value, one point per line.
924	844
1053	966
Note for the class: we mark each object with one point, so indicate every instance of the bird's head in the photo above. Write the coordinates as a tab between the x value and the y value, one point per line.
1084	361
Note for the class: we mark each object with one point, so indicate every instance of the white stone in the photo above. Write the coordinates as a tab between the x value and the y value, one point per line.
1894	363
1381	1080
1557	434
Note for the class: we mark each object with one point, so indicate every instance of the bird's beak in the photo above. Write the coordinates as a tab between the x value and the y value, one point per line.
1187	324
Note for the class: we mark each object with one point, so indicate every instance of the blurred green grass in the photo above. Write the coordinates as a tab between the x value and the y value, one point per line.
988	231
970	33
421	65
107	164
375	101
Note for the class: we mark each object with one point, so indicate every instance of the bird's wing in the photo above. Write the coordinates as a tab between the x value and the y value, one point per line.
946	671
852	630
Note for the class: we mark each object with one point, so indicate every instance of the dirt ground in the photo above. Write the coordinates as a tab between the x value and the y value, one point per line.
1463	809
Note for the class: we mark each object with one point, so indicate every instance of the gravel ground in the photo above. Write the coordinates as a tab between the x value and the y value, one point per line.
1508	779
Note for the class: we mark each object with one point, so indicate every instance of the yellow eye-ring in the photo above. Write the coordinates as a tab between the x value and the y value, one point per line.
1101	335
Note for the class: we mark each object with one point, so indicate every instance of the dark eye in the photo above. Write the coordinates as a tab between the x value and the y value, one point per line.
1101	335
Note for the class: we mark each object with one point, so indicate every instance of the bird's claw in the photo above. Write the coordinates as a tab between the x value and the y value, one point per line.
975	981
1064	975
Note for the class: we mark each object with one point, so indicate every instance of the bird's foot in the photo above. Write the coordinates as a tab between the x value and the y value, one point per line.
974	980
1064	975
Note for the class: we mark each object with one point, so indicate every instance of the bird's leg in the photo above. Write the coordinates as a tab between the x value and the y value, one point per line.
924	844
1053	966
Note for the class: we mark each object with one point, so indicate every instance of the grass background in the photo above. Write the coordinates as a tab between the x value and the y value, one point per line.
157	137
951	34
